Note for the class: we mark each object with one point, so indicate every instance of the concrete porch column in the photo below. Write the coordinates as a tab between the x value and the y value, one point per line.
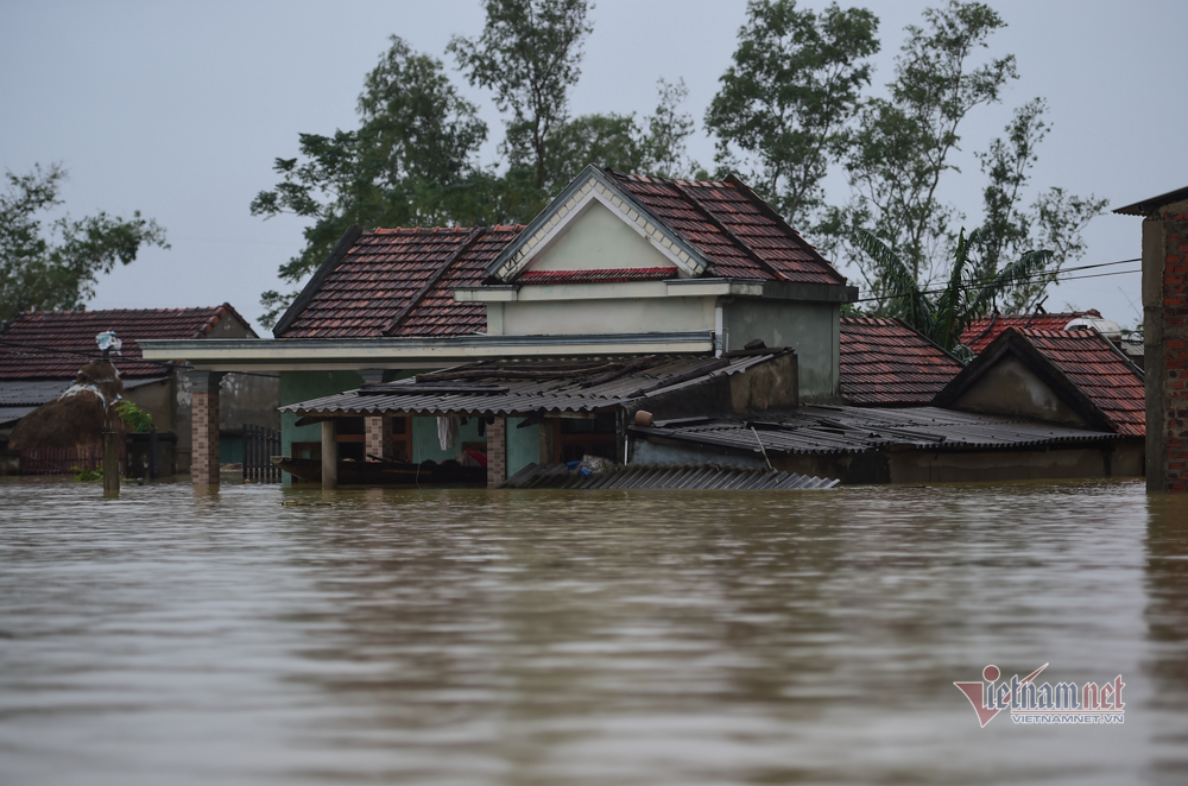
496	453
204	425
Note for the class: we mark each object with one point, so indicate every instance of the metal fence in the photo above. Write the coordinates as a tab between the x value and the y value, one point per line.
64	461
260	444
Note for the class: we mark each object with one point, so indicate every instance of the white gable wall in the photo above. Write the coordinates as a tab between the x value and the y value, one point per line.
597	239
622	315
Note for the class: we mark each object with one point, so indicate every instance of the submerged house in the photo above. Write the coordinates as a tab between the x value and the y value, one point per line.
636	318
42	351
1034	404
617	266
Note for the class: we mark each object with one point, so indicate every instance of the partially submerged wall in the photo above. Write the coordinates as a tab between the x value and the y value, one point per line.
1165	317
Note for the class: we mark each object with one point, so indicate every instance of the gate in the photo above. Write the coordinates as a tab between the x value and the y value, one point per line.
260	444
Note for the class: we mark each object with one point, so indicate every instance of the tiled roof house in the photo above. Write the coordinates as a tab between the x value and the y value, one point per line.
53	344
886	363
41	352
1072	376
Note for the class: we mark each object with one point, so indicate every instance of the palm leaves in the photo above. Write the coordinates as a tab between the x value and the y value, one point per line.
943	318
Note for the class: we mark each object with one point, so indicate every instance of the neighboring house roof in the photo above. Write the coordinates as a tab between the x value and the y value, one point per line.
1081	366
531	386
886	363
981	332
826	430
55	344
397	282
1149	206
738	232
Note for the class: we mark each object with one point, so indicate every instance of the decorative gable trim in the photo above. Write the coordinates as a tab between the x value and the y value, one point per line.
593	185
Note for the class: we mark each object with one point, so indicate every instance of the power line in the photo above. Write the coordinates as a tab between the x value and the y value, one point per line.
1055	275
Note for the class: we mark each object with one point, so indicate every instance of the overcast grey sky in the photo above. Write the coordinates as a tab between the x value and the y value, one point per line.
178	110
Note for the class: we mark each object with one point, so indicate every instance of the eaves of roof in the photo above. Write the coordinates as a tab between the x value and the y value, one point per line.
1146	207
355	353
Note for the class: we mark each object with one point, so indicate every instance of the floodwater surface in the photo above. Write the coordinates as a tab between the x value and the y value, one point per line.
474	637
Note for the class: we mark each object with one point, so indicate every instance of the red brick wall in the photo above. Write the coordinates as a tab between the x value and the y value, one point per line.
204	469
1175	349
496	452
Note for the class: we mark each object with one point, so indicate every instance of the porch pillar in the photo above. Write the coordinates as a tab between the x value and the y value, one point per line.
378	436
204	425
496	453
330	454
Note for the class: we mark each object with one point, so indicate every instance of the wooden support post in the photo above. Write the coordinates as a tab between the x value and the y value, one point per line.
111	463
330	454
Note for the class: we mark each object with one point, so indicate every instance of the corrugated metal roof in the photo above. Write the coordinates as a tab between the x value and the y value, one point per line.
665	476
509	387
821	429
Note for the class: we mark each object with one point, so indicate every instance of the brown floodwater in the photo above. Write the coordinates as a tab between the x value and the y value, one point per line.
474	637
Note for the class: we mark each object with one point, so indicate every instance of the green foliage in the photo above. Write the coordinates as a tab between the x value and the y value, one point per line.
1056	220
137	419
942	314
412	161
528	54
904	142
787	100
58	266
86	475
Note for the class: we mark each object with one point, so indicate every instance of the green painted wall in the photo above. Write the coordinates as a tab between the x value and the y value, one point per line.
296	386
426	445
523	445
230	450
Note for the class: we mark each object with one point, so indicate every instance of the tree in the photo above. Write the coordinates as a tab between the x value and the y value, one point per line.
1056	220
529	55
409	163
943	313
787	101
59	268
655	146
904	142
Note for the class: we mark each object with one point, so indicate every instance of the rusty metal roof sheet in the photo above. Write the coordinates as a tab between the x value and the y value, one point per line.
665	476
822	429
510	387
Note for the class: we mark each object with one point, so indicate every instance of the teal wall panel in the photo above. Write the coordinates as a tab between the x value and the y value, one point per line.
523	445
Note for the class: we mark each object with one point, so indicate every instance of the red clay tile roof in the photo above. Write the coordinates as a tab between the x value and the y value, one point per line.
885	363
732	227
1091	363
406	276
590	276
981	332
55	344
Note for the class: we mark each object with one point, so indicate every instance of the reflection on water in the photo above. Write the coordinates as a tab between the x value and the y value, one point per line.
473	637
